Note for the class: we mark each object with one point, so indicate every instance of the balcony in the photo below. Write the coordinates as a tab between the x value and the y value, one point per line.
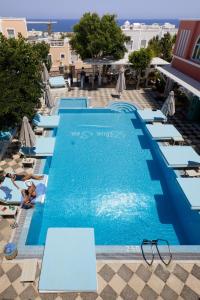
56	43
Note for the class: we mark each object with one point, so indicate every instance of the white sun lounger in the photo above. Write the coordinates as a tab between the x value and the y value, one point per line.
46	121
57	82
149	116
180	156
69	261
164	132
29	270
191	188
9	194
44	147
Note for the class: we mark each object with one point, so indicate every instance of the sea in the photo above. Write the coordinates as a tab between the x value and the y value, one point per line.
66	25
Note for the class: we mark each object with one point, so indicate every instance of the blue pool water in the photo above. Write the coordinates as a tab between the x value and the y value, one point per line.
104	174
73	103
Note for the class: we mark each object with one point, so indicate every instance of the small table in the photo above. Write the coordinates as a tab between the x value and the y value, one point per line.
39	130
8	210
28	162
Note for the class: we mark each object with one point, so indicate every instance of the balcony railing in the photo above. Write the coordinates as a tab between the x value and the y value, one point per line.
56	43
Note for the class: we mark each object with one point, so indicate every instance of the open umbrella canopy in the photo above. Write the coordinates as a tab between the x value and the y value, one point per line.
168	107
121	83
48	97
45	74
27	136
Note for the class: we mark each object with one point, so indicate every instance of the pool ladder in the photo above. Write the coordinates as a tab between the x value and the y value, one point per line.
154	244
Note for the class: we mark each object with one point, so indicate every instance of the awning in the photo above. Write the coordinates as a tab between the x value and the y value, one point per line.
185	81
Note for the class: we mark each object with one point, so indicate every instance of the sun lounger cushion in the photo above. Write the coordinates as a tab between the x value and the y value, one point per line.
9	194
57	82
46	121
180	156
148	115
44	147
191	187
164	132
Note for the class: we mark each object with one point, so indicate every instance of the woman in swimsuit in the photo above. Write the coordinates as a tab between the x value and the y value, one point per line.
29	195
22	177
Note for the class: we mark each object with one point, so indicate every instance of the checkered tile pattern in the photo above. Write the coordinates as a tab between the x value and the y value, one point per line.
116	281
103	96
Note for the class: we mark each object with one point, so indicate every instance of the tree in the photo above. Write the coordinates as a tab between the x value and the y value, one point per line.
163	47
20	80
140	60
166	44
43	50
154	45
98	37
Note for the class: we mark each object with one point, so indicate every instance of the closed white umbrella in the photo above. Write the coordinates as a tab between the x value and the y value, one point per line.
168	108
48	97
27	136
121	83
45	73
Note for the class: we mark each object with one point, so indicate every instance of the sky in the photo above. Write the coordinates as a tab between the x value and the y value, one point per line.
142	9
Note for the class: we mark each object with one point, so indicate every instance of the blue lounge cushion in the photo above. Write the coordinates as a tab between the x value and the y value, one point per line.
180	156
56	82
149	115
191	188
11	195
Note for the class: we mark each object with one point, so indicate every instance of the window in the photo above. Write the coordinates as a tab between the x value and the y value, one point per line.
182	42
62	56
143	43
196	53
11	33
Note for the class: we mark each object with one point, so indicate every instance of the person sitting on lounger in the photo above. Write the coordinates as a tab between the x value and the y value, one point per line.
22	177
28	196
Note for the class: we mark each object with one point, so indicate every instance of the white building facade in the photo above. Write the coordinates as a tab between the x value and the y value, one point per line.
140	34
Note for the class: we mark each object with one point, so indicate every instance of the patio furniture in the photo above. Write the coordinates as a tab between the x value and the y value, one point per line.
150	116
9	194
28	162
38	130
164	132
180	157
69	261
57	82
46	121
44	146
191	187
193	173
29	270
8	210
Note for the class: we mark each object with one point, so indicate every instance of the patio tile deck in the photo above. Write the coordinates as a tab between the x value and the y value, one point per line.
118	280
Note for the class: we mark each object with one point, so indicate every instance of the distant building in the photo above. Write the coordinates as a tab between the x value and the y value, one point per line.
60	53
187	49
140	34
11	27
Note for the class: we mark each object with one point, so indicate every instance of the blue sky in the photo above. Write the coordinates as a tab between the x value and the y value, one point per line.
123	8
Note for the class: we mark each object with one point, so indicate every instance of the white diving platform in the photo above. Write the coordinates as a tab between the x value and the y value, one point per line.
69	261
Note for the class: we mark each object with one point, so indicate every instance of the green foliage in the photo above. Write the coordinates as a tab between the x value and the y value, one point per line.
154	45
43	50
20	79
140	59
163	47
98	37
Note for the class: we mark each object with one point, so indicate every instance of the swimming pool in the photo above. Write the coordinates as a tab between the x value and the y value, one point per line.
105	174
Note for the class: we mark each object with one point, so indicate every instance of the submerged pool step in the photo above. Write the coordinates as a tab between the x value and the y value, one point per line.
122	107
